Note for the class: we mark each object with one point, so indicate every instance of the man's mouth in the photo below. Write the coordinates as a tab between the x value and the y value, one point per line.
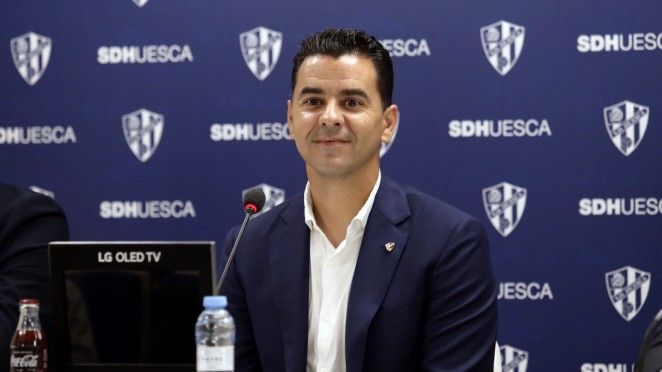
330	141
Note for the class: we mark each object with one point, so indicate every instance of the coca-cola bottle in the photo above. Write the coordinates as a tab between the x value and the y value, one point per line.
28	345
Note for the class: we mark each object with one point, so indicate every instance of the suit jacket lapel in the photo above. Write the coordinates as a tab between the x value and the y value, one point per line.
289	259
374	268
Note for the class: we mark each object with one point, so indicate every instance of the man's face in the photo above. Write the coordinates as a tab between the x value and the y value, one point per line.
336	117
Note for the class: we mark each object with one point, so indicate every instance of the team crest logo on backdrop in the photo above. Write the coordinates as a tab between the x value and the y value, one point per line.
273	196
140	3
504	204
502	44
142	131
512	359
261	49
31	53
627	288
626	124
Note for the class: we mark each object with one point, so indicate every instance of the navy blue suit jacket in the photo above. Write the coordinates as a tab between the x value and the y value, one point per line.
428	305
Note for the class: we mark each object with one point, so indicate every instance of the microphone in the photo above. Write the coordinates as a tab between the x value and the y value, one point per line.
253	202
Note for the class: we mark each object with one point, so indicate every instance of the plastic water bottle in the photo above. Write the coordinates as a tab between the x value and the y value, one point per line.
214	336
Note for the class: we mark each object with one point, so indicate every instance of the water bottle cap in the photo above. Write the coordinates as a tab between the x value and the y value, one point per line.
215	301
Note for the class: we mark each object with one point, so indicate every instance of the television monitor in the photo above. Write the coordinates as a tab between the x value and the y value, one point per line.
128	306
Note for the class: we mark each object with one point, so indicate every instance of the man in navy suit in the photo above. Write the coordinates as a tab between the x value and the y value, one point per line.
357	273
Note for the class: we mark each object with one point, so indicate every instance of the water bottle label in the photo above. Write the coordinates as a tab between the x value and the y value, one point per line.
215	358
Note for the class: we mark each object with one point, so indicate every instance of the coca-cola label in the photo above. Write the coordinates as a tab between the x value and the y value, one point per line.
24	359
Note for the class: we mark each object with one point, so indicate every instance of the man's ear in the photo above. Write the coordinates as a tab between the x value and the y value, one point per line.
390	122
289	115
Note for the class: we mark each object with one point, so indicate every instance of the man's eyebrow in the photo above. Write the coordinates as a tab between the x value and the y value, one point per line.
354	92
310	90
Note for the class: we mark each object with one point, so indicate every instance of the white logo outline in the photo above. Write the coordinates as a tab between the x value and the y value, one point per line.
626	124
261	48
502	214
624	286
512	358
31	53
143	130
498	49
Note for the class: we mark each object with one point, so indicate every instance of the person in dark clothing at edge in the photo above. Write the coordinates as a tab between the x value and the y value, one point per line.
28	222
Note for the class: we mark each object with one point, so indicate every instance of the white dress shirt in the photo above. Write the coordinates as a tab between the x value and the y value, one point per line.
331	272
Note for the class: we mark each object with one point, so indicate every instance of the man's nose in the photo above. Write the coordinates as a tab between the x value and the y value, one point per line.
331	117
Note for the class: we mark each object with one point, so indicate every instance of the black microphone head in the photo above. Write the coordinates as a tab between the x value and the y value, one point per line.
254	200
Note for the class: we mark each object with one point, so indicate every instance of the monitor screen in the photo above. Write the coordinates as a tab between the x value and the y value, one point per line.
128	304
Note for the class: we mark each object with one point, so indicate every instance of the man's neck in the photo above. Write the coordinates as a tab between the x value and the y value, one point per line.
337	200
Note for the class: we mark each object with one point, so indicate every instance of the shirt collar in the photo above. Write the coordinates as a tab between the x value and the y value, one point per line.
361	216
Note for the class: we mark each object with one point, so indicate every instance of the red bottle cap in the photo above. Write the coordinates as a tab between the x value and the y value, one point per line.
29	301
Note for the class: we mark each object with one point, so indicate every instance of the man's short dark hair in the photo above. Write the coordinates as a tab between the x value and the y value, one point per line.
338	42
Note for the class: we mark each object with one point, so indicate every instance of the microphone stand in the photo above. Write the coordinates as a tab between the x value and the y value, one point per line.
249	211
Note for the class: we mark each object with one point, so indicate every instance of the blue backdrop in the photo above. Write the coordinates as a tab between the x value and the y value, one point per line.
146	120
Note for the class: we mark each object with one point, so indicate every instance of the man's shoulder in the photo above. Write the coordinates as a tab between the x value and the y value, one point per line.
9	195
264	227
289	206
19	201
32	218
424	206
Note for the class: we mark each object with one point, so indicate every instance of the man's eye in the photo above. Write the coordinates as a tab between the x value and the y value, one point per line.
311	101
353	103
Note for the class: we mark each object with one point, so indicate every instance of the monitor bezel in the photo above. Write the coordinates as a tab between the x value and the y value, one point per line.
85	255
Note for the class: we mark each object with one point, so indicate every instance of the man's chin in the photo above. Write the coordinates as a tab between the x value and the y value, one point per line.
330	169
